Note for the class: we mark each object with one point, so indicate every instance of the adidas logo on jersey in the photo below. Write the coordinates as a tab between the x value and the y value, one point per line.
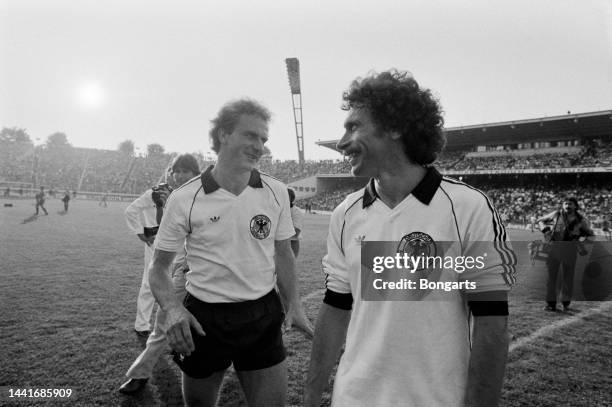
215	218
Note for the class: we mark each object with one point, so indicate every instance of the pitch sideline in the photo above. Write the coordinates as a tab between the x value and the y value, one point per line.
545	330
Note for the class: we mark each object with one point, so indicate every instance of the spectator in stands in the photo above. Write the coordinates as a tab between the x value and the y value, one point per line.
566	227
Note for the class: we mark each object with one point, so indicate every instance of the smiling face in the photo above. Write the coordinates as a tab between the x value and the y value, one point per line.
244	146
364	143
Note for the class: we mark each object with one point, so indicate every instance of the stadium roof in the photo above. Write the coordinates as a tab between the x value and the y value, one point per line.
556	128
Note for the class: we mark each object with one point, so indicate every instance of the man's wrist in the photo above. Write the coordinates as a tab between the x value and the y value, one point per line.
171	306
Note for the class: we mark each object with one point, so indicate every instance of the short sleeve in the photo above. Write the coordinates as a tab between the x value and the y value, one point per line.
285	225
134	212
174	225
334	262
297	217
486	238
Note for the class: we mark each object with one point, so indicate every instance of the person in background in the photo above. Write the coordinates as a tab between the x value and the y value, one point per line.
567	227
66	200
141	218
297	217
40	200
184	167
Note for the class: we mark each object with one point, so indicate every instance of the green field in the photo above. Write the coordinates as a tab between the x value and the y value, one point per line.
68	298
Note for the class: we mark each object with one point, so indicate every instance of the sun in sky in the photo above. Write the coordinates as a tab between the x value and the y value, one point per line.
90	94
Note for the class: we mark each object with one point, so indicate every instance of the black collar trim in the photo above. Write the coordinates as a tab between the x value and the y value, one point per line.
210	185
424	191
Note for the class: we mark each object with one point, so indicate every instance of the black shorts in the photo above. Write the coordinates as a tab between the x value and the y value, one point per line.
247	334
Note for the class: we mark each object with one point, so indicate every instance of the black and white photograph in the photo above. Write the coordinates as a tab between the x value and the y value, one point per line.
306	203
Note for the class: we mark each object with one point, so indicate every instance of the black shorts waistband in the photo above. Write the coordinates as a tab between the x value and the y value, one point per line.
267	304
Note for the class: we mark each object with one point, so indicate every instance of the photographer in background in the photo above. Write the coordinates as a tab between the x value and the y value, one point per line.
568	226
143	217
183	168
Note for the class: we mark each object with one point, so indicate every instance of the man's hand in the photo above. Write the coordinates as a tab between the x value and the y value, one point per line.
160	194
163	196
179	323
147	240
296	317
287	288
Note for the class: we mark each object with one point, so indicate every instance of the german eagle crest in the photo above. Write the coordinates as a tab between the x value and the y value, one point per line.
260	226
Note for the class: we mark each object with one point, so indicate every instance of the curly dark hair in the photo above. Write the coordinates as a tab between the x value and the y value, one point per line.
229	115
397	103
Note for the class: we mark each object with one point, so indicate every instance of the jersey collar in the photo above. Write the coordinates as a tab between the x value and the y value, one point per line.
210	185
424	191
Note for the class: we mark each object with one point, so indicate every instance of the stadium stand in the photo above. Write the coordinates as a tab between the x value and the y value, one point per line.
522	165
515	204
288	171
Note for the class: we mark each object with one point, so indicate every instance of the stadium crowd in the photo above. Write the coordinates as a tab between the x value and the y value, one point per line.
114	171
515	205
63	166
557	160
518	204
289	171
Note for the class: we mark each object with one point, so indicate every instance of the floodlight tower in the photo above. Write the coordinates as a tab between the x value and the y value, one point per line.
293	70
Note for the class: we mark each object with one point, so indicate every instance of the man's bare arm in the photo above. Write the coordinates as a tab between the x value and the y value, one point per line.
330	333
287	287
179	319
160	280
487	361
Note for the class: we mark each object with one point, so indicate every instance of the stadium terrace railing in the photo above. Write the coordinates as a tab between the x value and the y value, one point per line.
531	171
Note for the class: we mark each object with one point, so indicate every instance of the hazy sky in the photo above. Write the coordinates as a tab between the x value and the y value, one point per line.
157	72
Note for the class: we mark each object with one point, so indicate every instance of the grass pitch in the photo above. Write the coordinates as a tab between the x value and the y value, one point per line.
68	298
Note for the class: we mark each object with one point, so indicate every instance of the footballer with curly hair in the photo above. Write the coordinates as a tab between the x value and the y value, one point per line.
408	352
